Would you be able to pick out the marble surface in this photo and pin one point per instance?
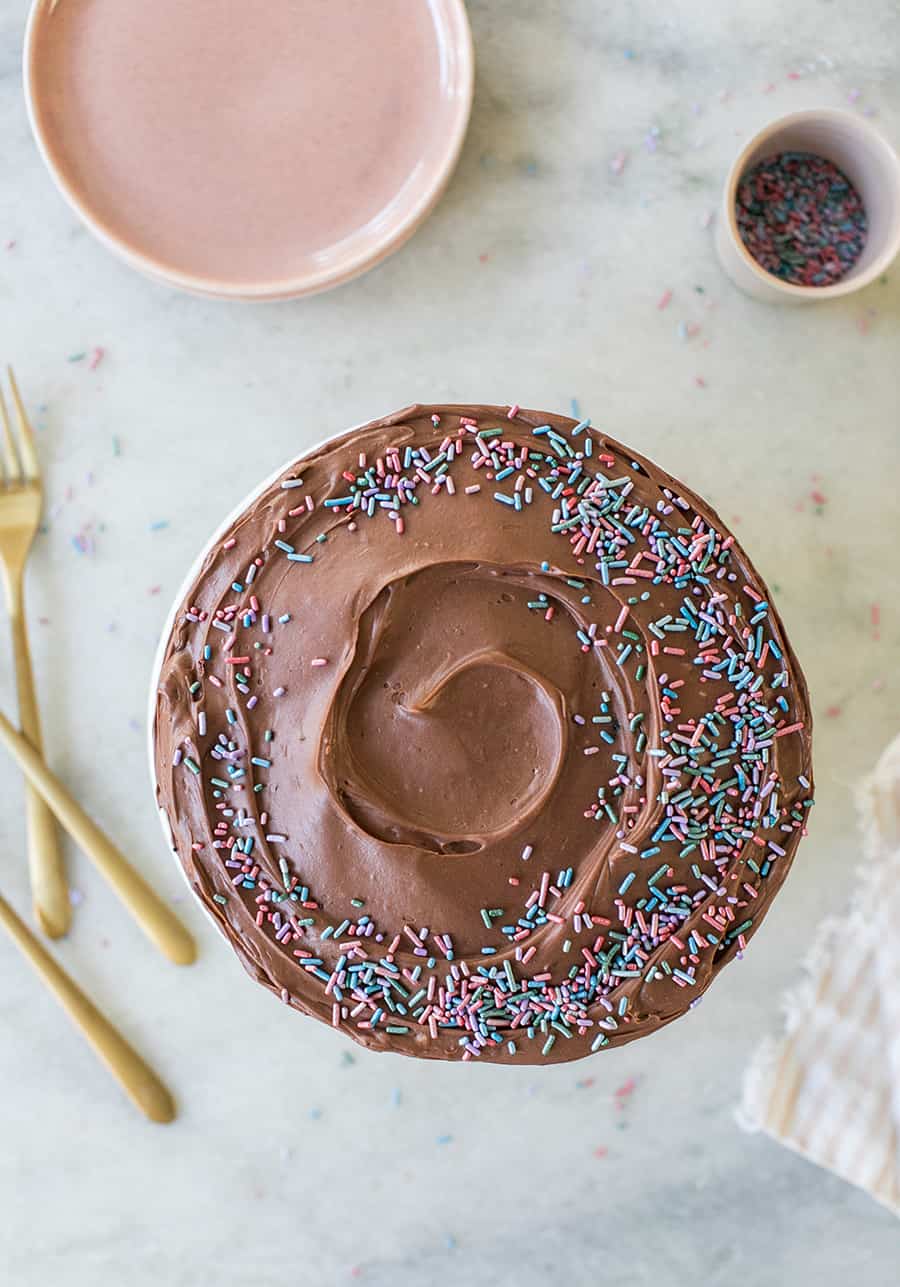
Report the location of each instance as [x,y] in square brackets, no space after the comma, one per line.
[537,279]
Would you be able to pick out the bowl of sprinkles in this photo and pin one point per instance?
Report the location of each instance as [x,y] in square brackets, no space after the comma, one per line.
[811,208]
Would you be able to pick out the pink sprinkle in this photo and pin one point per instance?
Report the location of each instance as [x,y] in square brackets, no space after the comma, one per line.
[617,164]
[319,661]
[699,381]
[513,411]
[665,300]
[96,358]
[230,543]
[791,728]
[470,491]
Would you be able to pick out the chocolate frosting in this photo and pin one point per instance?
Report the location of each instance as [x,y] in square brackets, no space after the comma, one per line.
[479,737]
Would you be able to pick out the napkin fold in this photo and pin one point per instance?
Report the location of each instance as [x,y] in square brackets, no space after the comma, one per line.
[829,1086]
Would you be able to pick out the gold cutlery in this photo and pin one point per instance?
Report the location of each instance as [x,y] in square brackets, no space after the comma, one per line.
[20,511]
[155,918]
[135,1077]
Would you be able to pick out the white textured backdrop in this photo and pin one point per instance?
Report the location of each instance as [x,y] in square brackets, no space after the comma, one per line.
[537,280]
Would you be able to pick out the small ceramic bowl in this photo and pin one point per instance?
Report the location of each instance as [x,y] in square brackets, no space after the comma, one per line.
[871,165]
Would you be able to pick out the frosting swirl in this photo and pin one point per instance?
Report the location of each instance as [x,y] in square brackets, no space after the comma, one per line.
[478,736]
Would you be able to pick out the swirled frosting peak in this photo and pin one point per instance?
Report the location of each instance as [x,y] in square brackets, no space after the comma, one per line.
[480,737]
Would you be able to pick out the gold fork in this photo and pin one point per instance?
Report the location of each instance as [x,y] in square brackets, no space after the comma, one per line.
[21,499]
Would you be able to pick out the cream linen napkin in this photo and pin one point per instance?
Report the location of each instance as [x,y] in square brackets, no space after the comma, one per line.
[829,1087]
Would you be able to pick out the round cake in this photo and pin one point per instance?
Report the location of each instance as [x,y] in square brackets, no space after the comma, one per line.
[479,736]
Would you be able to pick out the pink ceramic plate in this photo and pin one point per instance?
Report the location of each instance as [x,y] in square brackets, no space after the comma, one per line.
[260,151]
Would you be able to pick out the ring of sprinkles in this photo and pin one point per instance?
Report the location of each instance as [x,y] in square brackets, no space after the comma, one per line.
[479,737]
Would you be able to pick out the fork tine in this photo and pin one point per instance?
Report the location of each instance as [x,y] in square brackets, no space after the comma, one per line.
[10,458]
[27,447]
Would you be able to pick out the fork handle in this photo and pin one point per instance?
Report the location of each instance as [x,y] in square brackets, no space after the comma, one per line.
[49,890]
[155,918]
[136,1078]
